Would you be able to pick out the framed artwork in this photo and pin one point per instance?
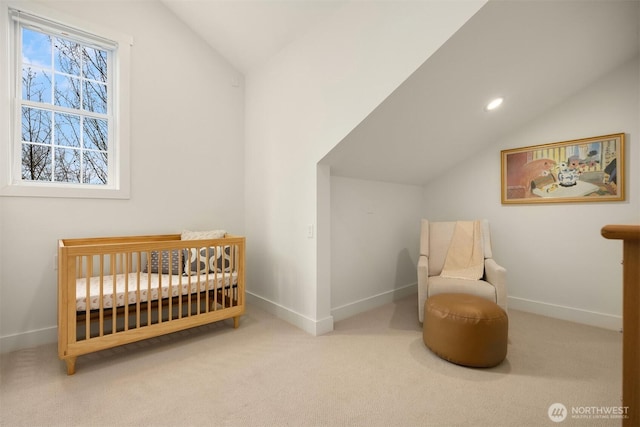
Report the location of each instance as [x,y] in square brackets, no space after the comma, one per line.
[583,170]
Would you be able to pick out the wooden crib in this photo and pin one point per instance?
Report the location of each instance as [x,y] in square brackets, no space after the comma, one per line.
[117,290]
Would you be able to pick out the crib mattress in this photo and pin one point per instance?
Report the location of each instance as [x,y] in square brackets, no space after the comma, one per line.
[153,286]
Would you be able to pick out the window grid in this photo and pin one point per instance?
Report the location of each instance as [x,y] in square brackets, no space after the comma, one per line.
[89,163]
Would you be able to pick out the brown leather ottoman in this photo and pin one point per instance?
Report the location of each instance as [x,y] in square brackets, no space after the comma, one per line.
[466,329]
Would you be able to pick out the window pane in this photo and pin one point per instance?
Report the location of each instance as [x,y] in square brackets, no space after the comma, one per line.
[36,48]
[67,91]
[95,64]
[67,165]
[67,55]
[96,134]
[36,125]
[95,97]
[67,129]
[36,85]
[36,162]
[95,164]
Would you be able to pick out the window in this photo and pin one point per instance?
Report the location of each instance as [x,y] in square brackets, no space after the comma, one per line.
[68,116]
[64,110]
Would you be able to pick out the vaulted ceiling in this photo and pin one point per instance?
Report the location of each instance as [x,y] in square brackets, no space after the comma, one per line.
[533,53]
[248,32]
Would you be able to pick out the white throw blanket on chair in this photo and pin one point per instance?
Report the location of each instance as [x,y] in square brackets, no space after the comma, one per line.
[465,258]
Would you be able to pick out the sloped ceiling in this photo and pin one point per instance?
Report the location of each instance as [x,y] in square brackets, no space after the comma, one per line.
[248,32]
[533,53]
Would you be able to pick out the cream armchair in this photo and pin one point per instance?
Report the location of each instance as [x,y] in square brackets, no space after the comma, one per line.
[435,238]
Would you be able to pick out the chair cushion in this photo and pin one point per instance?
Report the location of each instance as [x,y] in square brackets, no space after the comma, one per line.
[440,285]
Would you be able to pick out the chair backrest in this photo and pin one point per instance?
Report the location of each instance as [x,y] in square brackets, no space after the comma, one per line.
[435,238]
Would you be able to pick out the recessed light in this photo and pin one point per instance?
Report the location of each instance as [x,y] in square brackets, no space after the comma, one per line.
[494,104]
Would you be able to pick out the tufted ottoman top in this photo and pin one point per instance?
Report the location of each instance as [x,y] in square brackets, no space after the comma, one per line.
[465,306]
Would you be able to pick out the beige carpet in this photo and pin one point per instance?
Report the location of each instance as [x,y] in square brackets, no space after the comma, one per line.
[373,370]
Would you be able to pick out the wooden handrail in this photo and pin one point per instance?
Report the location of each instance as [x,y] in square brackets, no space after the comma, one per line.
[630,235]
[623,232]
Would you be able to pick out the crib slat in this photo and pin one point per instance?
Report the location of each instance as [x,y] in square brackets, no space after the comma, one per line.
[224,281]
[216,284]
[230,276]
[148,289]
[139,264]
[127,270]
[87,310]
[191,283]
[235,257]
[170,291]
[205,288]
[114,293]
[180,282]
[228,281]
[159,286]
[199,282]
[101,296]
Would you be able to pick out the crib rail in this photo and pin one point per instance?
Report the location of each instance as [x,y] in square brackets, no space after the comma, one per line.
[114,291]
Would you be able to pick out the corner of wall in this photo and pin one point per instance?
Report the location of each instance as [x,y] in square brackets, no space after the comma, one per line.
[314,327]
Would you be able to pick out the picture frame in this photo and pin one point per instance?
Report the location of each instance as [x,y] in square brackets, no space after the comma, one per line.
[581,170]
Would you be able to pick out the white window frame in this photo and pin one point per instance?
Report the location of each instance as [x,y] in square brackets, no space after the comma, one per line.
[11,182]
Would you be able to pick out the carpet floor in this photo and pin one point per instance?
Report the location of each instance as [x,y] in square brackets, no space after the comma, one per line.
[372,370]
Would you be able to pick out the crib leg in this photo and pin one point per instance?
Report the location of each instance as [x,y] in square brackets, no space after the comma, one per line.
[236,322]
[71,365]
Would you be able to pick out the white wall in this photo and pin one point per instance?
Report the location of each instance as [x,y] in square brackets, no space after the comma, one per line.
[375,233]
[558,263]
[187,164]
[298,107]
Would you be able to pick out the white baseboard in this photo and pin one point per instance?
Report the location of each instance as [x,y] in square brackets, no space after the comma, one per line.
[572,314]
[28,339]
[49,335]
[365,304]
[39,337]
[322,326]
[311,326]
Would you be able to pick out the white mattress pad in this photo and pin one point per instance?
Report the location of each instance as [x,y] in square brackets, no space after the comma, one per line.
[149,286]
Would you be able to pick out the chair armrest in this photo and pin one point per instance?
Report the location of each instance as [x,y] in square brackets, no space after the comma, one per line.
[497,276]
[423,269]
[423,278]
